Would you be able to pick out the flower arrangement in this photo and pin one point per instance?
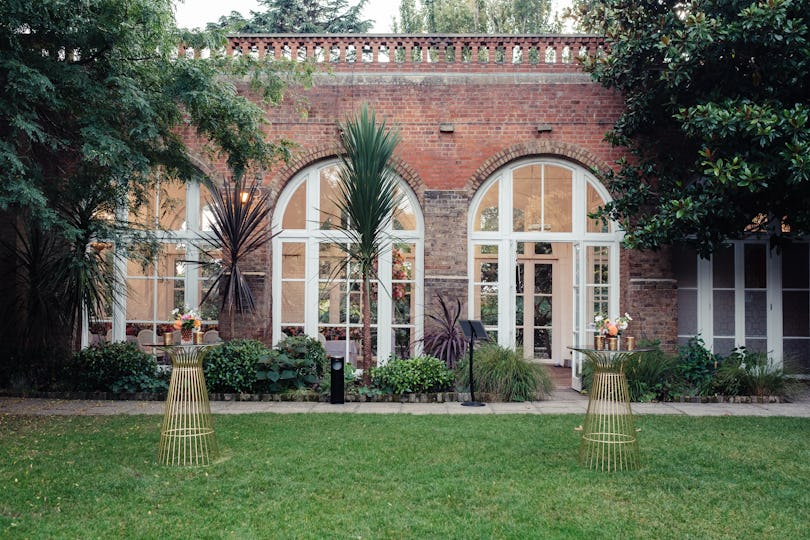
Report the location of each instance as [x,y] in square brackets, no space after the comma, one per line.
[186,319]
[610,327]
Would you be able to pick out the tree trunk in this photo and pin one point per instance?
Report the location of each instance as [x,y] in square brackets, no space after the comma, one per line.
[366,365]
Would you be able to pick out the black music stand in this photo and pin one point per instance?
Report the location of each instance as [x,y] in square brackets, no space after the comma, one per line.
[473,330]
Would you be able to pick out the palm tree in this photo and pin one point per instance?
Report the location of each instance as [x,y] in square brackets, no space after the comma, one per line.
[367,197]
[238,216]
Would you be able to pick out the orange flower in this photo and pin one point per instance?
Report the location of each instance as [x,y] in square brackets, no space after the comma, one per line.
[613,330]
[177,324]
[197,323]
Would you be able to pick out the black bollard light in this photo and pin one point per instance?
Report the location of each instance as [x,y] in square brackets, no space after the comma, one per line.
[336,368]
[473,330]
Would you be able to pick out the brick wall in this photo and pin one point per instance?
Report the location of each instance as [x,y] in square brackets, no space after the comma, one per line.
[458,126]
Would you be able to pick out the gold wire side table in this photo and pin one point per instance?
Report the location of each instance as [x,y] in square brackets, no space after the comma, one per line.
[609,440]
[187,434]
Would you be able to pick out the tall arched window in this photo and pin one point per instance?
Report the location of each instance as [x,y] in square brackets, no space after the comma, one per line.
[540,268]
[176,214]
[316,291]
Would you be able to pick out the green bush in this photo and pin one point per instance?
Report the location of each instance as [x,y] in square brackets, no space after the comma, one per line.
[505,372]
[651,376]
[748,374]
[297,362]
[421,374]
[696,366]
[232,366]
[114,367]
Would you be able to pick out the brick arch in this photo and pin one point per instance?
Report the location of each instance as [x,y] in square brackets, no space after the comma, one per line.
[324,152]
[205,167]
[557,149]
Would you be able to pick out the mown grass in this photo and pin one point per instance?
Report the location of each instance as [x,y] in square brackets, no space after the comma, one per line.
[402,476]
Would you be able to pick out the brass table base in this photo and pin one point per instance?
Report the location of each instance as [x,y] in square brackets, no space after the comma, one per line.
[609,440]
[187,434]
[609,435]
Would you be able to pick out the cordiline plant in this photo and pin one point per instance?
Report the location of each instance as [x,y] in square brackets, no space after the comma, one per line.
[237,230]
[443,339]
[367,196]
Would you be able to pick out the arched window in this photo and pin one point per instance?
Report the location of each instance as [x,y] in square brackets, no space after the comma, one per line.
[316,291]
[540,267]
[175,214]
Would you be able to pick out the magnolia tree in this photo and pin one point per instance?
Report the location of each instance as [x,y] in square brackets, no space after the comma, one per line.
[715,121]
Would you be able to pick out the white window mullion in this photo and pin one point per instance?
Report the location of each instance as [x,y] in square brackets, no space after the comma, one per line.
[613,280]
[119,307]
[192,296]
[276,291]
[384,305]
[774,301]
[311,286]
[705,300]
[419,291]
[739,294]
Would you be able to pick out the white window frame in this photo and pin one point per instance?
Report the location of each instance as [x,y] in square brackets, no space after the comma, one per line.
[579,237]
[187,236]
[312,236]
[705,299]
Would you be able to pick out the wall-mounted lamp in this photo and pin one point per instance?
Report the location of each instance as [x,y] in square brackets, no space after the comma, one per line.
[244,196]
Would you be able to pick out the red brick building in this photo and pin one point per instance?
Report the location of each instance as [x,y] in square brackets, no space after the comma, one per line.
[500,135]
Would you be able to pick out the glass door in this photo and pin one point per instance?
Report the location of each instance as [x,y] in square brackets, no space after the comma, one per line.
[534,299]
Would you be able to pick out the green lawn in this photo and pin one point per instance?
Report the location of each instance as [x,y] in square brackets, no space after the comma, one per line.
[402,476]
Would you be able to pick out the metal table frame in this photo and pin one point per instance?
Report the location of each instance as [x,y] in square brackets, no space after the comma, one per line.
[609,440]
[187,434]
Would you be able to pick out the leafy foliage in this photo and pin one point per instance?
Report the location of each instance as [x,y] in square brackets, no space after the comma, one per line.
[748,374]
[696,366]
[443,339]
[420,374]
[299,17]
[116,367]
[297,362]
[232,367]
[503,371]
[366,198]
[94,105]
[716,118]
[476,17]
[651,376]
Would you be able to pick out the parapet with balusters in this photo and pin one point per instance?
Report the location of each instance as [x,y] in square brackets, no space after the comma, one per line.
[420,52]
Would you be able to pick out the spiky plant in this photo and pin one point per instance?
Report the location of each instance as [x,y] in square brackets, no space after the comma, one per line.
[367,195]
[443,339]
[237,230]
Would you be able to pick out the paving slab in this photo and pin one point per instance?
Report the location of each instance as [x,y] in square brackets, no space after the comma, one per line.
[561,403]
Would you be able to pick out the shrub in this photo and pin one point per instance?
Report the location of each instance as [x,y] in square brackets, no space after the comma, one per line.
[696,366]
[505,372]
[651,375]
[232,367]
[443,340]
[421,374]
[114,367]
[747,374]
[295,363]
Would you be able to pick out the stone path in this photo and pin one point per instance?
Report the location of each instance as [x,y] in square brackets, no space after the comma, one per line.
[561,402]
